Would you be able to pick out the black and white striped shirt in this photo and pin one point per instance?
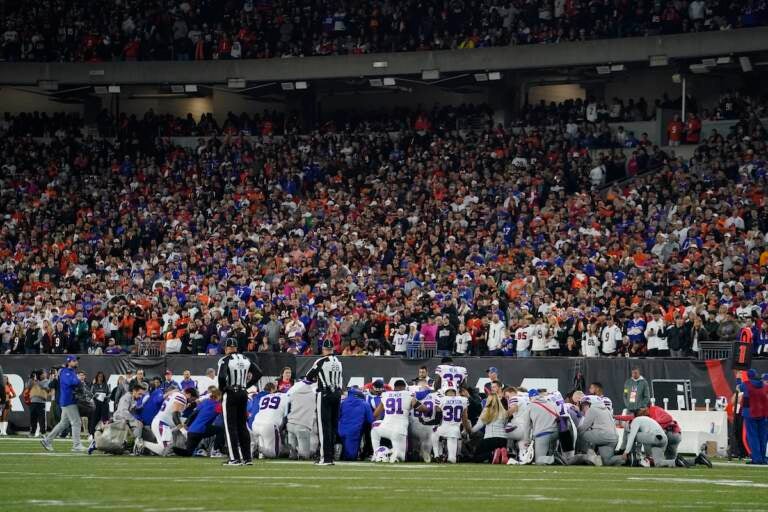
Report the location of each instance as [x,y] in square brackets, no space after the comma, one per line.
[328,372]
[236,370]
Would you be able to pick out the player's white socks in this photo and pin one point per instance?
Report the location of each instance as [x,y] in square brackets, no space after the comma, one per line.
[3,428]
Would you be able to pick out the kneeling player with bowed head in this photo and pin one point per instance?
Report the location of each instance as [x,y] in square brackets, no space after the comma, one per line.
[166,421]
[395,407]
[268,422]
[452,414]
[421,424]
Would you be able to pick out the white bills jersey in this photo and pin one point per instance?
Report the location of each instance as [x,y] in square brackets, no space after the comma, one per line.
[166,410]
[272,409]
[397,408]
[429,403]
[450,374]
[453,408]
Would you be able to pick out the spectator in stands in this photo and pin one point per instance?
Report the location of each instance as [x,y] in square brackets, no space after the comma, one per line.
[692,129]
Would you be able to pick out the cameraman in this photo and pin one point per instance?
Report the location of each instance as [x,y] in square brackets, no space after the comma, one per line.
[70,415]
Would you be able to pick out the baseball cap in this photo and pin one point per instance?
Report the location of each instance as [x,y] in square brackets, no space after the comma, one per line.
[327,344]
[492,369]
[231,342]
[72,358]
[378,384]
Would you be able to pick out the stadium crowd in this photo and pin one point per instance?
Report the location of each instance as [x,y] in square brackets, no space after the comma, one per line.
[491,241]
[53,30]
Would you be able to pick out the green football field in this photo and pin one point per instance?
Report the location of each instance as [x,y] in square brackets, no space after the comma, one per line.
[35,480]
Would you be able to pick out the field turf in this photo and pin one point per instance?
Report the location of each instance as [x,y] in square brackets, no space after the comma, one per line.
[36,480]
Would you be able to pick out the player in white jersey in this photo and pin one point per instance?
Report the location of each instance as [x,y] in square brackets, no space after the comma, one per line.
[452,410]
[518,430]
[450,373]
[395,407]
[302,407]
[420,425]
[265,431]
[166,420]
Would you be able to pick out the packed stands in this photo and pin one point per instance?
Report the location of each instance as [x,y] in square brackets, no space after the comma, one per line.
[282,242]
[52,30]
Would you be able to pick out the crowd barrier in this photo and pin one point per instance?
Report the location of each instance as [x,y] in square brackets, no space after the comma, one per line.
[708,379]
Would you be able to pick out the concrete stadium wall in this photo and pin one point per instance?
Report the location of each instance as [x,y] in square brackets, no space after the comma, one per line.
[636,49]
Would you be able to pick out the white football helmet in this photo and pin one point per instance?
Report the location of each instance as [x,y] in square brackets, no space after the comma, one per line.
[383,454]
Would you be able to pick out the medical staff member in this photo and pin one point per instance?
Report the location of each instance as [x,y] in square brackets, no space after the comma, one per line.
[354,415]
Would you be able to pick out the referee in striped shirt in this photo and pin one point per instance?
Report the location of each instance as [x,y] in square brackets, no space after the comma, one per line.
[328,373]
[236,374]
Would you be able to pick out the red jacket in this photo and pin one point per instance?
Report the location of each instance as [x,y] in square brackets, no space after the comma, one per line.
[663,418]
[758,400]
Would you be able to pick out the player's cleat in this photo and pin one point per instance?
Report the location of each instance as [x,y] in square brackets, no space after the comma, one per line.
[528,455]
[680,462]
[91,447]
[200,452]
[513,462]
[646,462]
[559,460]
[321,462]
[46,444]
[79,449]
[703,460]
[232,463]
[248,463]
[216,454]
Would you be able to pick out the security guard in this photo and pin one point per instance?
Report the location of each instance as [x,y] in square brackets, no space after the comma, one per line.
[328,372]
[236,374]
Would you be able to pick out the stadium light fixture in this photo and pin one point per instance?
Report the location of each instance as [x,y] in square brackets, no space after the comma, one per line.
[617,67]
[603,70]
[287,86]
[710,63]
[430,74]
[723,60]
[190,88]
[376,82]
[113,89]
[494,75]
[746,64]
[177,89]
[658,61]
[481,77]
[389,81]
[380,64]
[236,83]
[100,89]
[300,86]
